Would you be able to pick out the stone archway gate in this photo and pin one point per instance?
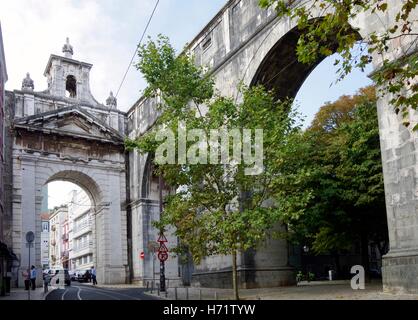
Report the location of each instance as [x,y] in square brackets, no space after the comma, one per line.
[76,139]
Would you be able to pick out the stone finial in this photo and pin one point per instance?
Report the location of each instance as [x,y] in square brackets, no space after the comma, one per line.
[67,49]
[111,102]
[27,83]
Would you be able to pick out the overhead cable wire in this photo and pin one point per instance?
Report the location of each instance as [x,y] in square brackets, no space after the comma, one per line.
[136,50]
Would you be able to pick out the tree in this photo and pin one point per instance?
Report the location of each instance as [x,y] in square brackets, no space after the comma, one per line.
[332,193]
[219,207]
[334,32]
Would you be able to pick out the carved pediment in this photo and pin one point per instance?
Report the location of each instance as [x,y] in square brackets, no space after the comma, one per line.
[71,121]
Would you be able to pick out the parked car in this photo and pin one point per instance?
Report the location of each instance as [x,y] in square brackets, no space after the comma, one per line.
[84,276]
[73,275]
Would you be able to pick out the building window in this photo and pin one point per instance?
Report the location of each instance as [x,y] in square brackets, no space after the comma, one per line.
[206,43]
[45,226]
[71,87]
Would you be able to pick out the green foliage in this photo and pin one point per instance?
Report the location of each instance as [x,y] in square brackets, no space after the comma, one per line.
[218,209]
[334,33]
[299,276]
[311,276]
[332,192]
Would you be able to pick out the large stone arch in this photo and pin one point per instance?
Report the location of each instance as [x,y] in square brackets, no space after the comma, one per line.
[243,39]
[83,180]
[104,186]
[80,149]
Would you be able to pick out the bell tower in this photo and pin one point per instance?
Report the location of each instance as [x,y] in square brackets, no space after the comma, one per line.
[69,78]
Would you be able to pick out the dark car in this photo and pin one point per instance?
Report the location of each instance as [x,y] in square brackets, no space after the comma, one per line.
[73,275]
[84,276]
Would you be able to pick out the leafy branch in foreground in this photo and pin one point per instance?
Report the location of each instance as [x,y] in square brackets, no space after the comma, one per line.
[333,32]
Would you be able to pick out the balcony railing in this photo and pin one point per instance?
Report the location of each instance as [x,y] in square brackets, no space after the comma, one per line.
[83,246]
[81,227]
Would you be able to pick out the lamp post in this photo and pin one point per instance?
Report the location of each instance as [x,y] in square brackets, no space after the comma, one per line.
[162,237]
[30,236]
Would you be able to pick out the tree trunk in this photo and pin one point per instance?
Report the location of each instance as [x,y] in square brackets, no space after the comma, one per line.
[235,275]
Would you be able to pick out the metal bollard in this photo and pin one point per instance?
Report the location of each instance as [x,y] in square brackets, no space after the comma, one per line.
[175,293]
[166,292]
[152,287]
[158,290]
[187,293]
[147,285]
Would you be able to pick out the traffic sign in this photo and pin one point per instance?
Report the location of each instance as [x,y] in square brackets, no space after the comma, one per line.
[163,248]
[142,255]
[163,256]
[30,236]
[162,238]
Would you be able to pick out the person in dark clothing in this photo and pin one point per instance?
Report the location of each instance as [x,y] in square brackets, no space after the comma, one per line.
[93,275]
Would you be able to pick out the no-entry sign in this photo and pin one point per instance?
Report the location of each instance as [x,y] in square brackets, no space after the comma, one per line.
[142,255]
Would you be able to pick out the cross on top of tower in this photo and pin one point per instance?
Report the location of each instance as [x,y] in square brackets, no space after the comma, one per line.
[68,49]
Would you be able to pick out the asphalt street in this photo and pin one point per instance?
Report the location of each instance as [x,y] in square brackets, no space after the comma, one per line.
[88,292]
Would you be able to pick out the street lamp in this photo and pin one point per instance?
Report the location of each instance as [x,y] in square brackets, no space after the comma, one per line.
[30,237]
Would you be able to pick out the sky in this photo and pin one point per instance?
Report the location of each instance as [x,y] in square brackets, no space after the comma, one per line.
[102,32]
[106,33]
[59,193]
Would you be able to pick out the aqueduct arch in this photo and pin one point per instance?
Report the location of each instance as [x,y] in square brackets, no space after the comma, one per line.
[233,45]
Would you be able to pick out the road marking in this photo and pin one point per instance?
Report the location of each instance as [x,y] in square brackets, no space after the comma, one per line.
[78,293]
[63,295]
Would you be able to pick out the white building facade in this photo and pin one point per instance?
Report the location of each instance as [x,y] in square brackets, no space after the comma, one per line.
[81,231]
[57,221]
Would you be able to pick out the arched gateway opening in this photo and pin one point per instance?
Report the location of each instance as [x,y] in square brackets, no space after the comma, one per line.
[80,231]
[68,227]
[280,70]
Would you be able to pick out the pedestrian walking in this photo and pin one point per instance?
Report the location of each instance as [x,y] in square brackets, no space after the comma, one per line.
[33,277]
[26,278]
[47,280]
[93,275]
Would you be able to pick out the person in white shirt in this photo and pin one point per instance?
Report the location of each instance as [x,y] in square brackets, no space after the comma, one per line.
[33,277]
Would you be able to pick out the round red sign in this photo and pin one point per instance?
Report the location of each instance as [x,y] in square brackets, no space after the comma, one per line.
[142,255]
[163,256]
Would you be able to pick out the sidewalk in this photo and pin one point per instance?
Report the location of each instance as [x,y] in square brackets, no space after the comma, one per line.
[22,294]
[333,291]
